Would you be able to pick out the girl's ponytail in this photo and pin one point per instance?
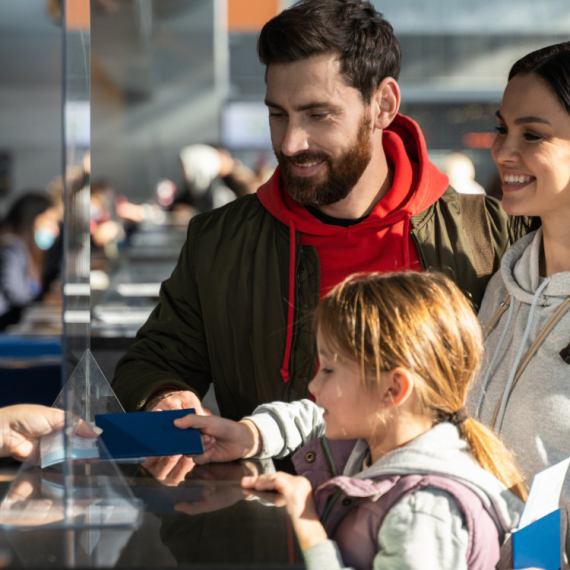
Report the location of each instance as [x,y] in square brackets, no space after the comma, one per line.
[490,453]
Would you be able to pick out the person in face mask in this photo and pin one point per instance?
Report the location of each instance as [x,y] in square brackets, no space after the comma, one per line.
[28,231]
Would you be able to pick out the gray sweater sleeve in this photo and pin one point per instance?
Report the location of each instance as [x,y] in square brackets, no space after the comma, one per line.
[424,530]
[286,427]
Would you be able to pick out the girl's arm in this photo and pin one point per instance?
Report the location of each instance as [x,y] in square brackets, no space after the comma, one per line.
[424,530]
[298,498]
[287,426]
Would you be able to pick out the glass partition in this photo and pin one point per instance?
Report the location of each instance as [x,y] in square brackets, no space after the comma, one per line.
[75,482]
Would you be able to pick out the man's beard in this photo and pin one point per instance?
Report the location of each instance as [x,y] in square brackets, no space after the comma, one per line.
[343,172]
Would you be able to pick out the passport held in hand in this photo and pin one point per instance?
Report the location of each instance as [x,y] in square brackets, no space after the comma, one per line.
[146,434]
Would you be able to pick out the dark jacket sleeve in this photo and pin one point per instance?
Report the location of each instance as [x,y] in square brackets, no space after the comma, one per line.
[170,349]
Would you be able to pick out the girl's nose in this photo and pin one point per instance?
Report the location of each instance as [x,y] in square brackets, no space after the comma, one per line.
[313,385]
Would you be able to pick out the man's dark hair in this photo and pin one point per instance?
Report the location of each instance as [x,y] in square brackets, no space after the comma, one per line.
[364,42]
[552,64]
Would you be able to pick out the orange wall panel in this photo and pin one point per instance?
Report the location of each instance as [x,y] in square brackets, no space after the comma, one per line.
[77,15]
[250,15]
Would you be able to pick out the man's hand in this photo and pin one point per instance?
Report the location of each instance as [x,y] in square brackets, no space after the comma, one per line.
[176,400]
[21,427]
[224,440]
[170,470]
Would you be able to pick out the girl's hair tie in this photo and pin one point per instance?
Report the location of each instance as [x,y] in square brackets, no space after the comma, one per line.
[457,418]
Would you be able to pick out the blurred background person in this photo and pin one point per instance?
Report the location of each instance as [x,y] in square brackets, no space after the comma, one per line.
[213,178]
[27,233]
[106,232]
[461,171]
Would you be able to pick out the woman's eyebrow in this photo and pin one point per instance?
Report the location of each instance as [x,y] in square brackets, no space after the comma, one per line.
[524,120]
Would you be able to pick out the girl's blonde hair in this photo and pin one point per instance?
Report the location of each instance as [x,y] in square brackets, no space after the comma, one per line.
[421,322]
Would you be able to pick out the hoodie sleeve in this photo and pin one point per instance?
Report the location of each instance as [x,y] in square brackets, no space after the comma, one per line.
[286,427]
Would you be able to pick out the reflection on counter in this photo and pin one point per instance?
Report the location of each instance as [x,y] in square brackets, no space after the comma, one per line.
[204,517]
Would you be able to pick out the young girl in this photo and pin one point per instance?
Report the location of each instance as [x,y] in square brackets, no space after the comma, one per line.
[424,485]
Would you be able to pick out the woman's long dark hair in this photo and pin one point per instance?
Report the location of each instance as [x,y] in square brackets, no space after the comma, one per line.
[21,216]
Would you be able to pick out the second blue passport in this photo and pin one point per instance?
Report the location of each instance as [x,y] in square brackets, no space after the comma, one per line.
[147,434]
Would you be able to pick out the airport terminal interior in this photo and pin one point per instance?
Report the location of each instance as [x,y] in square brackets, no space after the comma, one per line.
[132,117]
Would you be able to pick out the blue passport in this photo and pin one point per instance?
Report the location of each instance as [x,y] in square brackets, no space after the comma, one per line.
[147,434]
[538,544]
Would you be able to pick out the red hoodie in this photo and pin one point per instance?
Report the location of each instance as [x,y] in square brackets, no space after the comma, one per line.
[381,242]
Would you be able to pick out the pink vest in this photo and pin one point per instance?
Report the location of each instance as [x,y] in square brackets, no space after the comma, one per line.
[352,510]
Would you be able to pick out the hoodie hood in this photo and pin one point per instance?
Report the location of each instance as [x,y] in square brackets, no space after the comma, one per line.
[534,307]
[441,451]
[406,152]
[520,272]
[362,247]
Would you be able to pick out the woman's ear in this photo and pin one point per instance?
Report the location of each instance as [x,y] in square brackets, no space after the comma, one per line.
[398,385]
[385,103]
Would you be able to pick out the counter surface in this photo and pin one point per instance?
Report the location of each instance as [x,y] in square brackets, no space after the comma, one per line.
[200,518]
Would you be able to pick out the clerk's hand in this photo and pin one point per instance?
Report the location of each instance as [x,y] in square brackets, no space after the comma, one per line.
[21,427]
[176,400]
[224,440]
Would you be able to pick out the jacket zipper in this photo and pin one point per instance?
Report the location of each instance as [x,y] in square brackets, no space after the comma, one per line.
[332,470]
[420,253]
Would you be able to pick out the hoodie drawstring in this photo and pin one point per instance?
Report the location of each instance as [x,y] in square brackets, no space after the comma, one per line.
[291,310]
[494,359]
[507,391]
[526,334]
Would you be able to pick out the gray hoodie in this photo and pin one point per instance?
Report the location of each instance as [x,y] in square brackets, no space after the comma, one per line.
[424,530]
[535,420]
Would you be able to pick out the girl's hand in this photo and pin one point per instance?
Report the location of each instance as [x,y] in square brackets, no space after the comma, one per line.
[298,496]
[297,491]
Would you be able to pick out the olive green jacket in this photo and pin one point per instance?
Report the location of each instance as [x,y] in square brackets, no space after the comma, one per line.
[222,315]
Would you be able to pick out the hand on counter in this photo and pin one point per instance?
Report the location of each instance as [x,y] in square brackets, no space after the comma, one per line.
[224,440]
[176,400]
[297,495]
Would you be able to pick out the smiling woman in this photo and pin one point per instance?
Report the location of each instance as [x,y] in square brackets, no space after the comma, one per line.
[532,149]
[526,309]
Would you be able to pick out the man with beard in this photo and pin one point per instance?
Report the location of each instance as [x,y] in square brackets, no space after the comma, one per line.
[354,192]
